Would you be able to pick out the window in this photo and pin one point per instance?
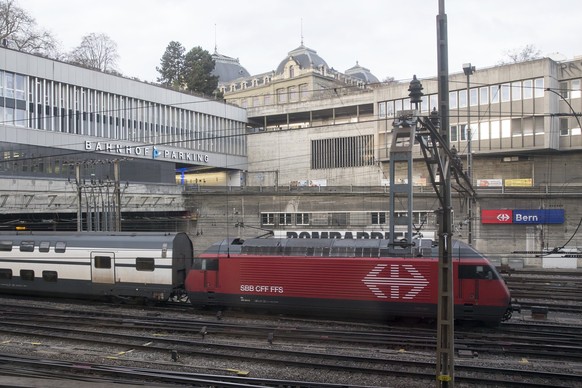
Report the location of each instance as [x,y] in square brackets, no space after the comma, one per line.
[516,127]
[144,264]
[293,95]
[463,132]
[50,276]
[285,219]
[302,218]
[433,101]
[564,89]
[60,247]
[27,274]
[453,100]
[382,109]
[454,133]
[44,246]
[205,264]
[575,88]
[103,262]
[505,92]
[462,98]
[281,96]
[27,246]
[5,246]
[476,272]
[5,274]
[353,151]
[378,218]
[564,130]
[473,97]
[539,87]
[268,219]
[484,130]
[527,89]
[494,93]
[516,91]
[303,92]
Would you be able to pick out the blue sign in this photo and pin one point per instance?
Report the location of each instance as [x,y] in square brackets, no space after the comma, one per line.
[540,216]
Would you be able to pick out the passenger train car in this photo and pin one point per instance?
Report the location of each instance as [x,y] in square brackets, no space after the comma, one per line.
[346,278]
[151,266]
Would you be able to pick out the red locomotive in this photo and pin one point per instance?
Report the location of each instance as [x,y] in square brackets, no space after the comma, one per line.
[347,278]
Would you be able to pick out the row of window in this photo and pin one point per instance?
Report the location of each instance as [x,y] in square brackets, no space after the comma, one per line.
[337,219]
[60,107]
[484,95]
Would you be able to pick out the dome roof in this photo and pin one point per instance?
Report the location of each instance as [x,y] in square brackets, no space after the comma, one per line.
[362,73]
[304,56]
[227,68]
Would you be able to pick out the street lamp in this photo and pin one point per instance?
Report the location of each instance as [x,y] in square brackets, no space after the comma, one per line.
[468,70]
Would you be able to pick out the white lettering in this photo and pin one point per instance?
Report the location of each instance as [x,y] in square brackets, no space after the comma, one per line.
[523,217]
[261,289]
[87,145]
[98,147]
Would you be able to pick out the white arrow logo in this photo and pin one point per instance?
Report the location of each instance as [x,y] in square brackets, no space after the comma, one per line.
[372,280]
[503,217]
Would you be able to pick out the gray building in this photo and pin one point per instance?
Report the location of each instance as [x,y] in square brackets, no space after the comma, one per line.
[71,136]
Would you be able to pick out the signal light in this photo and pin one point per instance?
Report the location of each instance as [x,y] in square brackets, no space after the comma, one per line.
[20,228]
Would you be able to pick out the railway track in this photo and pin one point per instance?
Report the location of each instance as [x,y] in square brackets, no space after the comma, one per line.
[369,353]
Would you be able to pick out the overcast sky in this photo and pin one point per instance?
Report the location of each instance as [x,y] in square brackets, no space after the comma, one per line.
[392,38]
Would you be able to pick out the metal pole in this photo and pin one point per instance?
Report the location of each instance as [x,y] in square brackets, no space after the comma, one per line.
[445,317]
[469,69]
[117,197]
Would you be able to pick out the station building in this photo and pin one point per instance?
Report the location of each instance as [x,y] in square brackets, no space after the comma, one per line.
[71,136]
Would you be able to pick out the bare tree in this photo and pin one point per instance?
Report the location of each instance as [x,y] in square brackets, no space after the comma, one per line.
[523,54]
[97,51]
[19,30]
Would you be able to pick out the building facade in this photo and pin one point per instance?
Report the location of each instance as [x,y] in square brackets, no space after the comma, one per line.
[90,133]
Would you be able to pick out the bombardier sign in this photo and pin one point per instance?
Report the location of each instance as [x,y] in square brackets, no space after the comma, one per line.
[522,216]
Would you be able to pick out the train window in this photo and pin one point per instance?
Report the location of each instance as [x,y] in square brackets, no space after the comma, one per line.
[206,264]
[5,274]
[27,246]
[27,274]
[50,276]
[5,246]
[144,264]
[476,272]
[60,247]
[44,246]
[102,262]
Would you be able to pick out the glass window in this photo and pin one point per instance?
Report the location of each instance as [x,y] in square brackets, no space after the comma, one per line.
[462,99]
[382,109]
[5,273]
[527,89]
[494,93]
[454,133]
[44,246]
[528,126]
[268,219]
[564,129]
[50,276]
[575,88]
[538,124]
[453,100]
[516,91]
[5,246]
[293,95]
[516,127]
[463,132]
[144,264]
[60,247]
[434,102]
[389,108]
[103,262]
[505,92]
[285,219]
[19,82]
[281,96]
[378,218]
[27,274]
[397,106]
[506,128]
[539,87]
[473,97]
[495,129]
[27,246]
[302,218]
[564,89]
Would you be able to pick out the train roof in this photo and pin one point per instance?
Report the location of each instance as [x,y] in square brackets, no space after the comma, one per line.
[336,247]
[96,239]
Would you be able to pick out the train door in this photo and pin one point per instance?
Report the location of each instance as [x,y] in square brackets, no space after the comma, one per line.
[103,267]
[468,287]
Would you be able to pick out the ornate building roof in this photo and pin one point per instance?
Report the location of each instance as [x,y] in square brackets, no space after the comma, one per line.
[362,73]
[227,68]
[305,57]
